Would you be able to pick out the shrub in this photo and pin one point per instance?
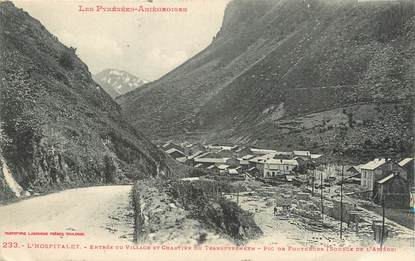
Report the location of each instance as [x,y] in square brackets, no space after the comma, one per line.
[109,170]
[66,60]
[194,172]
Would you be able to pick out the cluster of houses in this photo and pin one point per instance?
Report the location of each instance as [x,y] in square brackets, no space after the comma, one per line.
[235,160]
[386,180]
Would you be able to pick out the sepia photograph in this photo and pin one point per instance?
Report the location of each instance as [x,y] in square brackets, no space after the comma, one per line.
[243,130]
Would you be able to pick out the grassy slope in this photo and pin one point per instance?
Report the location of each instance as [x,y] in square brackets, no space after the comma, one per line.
[275,54]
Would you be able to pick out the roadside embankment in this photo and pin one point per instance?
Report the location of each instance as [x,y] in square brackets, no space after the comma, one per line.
[189,212]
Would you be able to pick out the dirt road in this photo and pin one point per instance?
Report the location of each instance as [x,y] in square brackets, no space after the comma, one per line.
[94,216]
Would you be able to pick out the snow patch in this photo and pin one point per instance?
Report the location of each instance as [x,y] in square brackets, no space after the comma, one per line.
[115,72]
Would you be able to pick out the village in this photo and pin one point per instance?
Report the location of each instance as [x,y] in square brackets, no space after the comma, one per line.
[369,203]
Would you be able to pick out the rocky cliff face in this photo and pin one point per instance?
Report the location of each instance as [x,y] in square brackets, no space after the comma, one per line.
[58,127]
[117,82]
[278,72]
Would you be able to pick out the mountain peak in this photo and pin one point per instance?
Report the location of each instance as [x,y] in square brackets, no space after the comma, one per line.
[118,82]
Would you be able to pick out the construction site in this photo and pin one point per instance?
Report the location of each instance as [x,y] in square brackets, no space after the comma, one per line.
[291,215]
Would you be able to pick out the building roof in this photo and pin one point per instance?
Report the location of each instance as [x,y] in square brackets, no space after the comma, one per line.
[172,150]
[190,179]
[262,151]
[241,149]
[374,164]
[167,143]
[356,176]
[185,143]
[223,167]
[221,147]
[259,159]
[282,153]
[181,159]
[386,179]
[214,147]
[247,157]
[282,162]
[194,155]
[299,158]
[210,160]
[301,153]
[198,145]
[170,142]
[203,155]
[223,150]
[403,162]
[315,156]
[210,155]
[263,158]
[358,168]
[233,171]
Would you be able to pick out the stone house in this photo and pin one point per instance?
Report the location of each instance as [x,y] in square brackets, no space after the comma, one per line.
[377,169]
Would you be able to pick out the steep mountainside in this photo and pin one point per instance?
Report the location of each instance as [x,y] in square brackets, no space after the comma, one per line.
[116,82]
[58,127]
[314,74]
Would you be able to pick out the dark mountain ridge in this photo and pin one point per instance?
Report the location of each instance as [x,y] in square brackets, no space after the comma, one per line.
[58,127]
[279,71]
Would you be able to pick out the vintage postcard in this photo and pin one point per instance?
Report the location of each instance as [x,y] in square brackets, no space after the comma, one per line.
[207,130]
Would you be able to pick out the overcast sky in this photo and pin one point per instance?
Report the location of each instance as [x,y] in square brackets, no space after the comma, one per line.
[145,44]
